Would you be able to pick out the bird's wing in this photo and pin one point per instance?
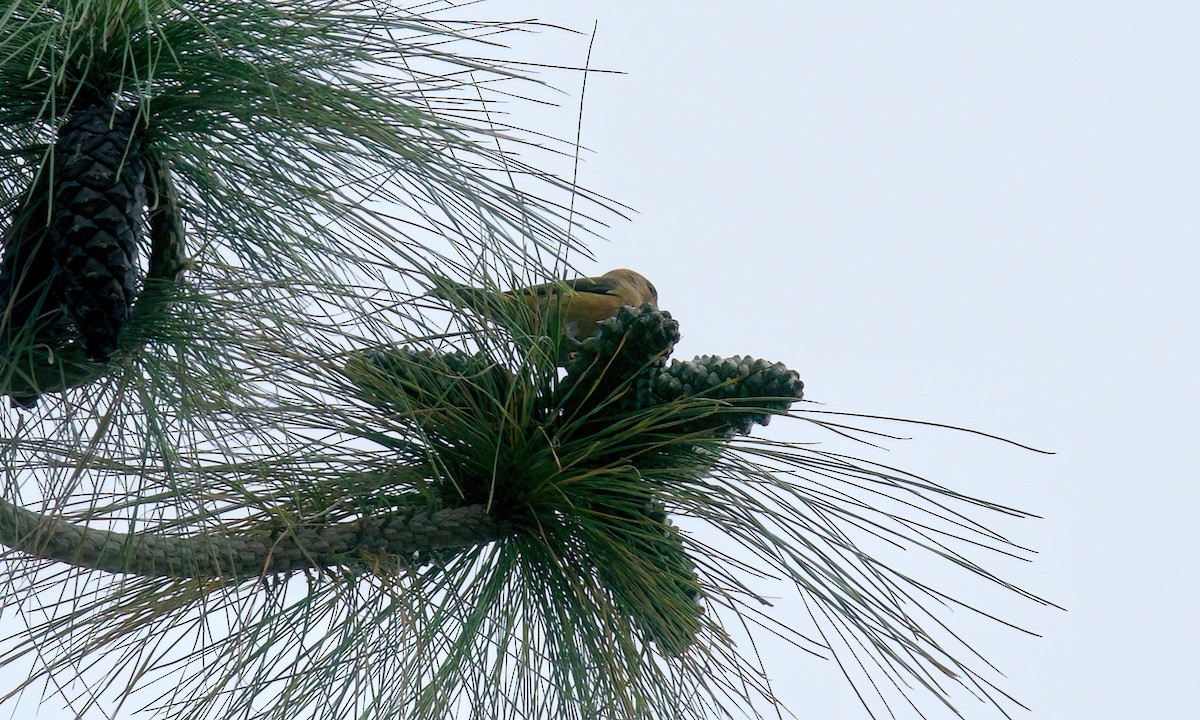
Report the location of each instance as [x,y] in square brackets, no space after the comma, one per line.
[596,285]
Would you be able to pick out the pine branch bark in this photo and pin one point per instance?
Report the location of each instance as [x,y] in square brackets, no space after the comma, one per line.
[264,549]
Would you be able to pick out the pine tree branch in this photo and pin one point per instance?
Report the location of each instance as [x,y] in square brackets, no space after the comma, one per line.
[266,548]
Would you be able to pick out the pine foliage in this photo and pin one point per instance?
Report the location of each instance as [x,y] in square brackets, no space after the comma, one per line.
[270,478]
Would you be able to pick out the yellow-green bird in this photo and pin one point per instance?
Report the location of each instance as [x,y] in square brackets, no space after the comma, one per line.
[573,307]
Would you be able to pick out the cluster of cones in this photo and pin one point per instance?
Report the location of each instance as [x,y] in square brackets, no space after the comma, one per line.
[619,379]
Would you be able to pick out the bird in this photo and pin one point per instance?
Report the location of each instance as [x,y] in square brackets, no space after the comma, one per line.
[567,308]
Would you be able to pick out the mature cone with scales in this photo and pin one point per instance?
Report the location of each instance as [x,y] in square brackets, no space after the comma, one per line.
[69,269]
[27,270]
[25,276]
[99,194]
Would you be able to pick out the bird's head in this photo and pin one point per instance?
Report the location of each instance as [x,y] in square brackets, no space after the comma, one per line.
[636,290]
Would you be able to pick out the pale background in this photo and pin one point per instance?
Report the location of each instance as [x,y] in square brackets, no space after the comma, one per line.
[977,213]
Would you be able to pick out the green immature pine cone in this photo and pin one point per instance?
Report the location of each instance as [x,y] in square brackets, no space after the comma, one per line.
[425,384]
[621,359]
[662,598]
[762,387]
[99,195]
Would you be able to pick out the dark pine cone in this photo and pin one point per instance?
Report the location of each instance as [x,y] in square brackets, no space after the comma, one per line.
[27,270]
[98,199]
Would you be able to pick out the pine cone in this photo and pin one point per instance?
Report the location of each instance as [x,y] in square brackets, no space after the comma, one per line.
[629,347]
[425,383]
[30,311]
[28,268]
[662,596]
[168,253]
[769,387]
[99,195]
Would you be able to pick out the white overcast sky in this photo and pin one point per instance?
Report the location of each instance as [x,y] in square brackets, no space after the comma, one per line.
[984,214]
[979,213]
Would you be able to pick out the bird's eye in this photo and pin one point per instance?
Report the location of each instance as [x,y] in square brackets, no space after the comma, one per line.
[652,290]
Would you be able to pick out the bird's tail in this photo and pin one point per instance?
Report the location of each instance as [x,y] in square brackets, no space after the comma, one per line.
[524,313]
[489,303]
